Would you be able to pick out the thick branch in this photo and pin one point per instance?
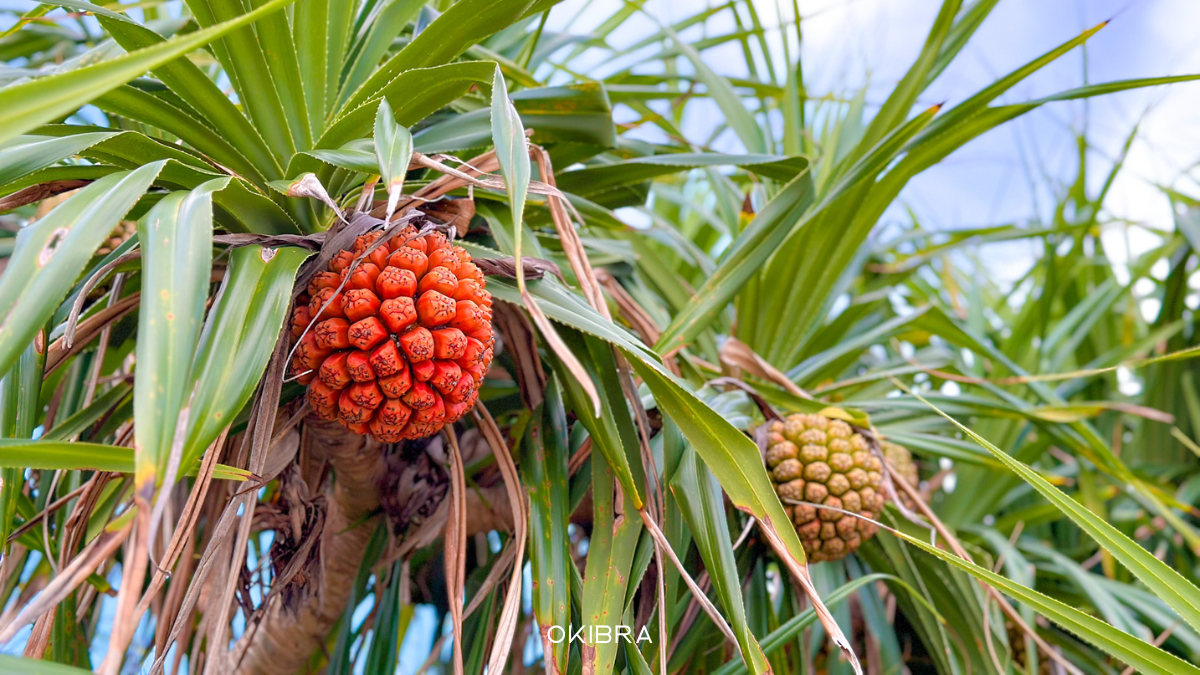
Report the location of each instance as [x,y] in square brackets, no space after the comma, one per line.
[284,637]
[286,634]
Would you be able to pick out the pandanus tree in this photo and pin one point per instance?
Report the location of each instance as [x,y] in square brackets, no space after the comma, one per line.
[273,347]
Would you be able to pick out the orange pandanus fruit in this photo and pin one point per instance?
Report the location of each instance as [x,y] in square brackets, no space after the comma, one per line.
[394,344]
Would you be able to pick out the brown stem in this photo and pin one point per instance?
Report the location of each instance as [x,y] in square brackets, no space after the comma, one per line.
[282,637]
[287,633]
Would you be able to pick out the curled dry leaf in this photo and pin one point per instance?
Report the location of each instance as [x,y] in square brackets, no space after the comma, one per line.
[308,185]
[456,213]
[455,555]
[39,192]
[520,342]
[533,268]
[507,625]
[738,355]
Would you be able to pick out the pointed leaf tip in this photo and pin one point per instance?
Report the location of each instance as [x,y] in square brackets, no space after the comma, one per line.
[393,151]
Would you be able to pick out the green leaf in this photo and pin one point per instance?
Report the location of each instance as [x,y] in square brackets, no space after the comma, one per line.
[356,156]
[568,308]
[1162,580]
[615,531]
[699,497]
[244,61]
[960,34]
[901,100]
[238,339]
[51,253]
[311,23]
[176,241]
[131,102]
[786,633]
[512,153]
[20,410]
[23,453]
[733,109]
[413,95]
[544,474]
[278,49]
[385,21]
[462,25]
[744,259]
[26,154]
[19,666]
[612,431]
[382,656]
[599,181]
[1129,649]
[1113,87]
[393,150]
[80,421]
[729,454]
[44,99]
[508,135]
[578,115]
[199,91]
[980,100]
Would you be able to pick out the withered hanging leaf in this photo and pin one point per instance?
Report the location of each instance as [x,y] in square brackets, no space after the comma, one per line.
[453,212]
[36,193]
[534,268]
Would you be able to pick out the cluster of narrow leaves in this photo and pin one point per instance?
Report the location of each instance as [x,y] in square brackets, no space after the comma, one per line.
[167,444]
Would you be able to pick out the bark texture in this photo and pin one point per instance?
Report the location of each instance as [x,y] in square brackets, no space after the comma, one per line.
[287,634]
[294,625]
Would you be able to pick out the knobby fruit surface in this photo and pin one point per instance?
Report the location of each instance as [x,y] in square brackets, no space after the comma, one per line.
[394,343]
[903,465]
[817,461]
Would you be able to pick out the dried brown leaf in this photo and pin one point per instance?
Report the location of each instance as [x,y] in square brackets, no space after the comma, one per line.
[533,268]
[456,213]
[737,354]
[67,580]
[36,193]
[507,624]
[455,553]
[88,329]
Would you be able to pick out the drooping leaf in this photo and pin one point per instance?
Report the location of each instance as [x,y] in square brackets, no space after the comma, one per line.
[698,494]
[176,241]
[729,453]
[238,339]
[51,253]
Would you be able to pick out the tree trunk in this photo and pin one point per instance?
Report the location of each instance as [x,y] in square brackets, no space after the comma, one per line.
[284,636]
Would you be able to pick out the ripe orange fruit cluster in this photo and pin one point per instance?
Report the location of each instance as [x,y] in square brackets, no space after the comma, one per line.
[399,349]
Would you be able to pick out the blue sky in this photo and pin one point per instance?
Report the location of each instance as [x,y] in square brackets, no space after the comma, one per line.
[851,42]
